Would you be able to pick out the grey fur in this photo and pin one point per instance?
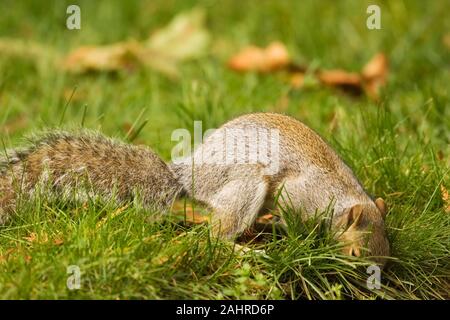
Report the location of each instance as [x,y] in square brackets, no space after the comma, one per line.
[85,164]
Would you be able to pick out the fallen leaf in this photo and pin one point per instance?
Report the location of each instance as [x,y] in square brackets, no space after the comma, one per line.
[348,81]
[182,39]
[376,68]
[339,77]
[274,57]
[445,198]
[267,218]
[375,74]
[106,58]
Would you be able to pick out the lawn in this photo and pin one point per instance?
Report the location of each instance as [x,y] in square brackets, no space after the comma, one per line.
[397,145]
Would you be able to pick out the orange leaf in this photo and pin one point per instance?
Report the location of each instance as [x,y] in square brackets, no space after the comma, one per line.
[267,218]
[375,73]
[102,58]
[339,77]
[347,81]
[252,58]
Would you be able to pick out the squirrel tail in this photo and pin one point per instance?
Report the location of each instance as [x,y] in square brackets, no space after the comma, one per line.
[83,164]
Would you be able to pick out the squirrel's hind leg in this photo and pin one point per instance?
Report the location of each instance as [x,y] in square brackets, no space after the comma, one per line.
[236,205]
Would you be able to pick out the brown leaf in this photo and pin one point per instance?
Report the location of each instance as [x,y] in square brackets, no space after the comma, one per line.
[267,218]
[348,81]
[376,68]
[103,58]
[182,39]
[445,198]
[185,37]
[339,77]
[375,74]
[252,58]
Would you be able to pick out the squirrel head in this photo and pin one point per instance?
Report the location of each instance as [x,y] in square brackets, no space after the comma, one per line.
[363,231]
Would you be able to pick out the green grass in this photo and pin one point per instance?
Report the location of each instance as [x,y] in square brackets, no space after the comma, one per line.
[398,147]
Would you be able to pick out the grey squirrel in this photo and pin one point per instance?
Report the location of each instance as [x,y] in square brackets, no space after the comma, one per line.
[292,161]
[228,172]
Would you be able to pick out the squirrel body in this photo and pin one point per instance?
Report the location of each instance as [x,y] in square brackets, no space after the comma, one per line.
[294,162]
[237,171]
[85,164]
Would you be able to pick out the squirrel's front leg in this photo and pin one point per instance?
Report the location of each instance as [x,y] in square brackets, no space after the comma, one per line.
[236,205]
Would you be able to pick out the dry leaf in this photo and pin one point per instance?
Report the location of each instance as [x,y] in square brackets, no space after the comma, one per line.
[348,81]
[267,218]
[184,38]
[273,57]
[106,58]
[445,198]
[376,68]
[375,74]
[339,77]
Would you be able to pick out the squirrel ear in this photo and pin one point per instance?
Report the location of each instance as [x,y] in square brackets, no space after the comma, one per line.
[355,214]
[381,205]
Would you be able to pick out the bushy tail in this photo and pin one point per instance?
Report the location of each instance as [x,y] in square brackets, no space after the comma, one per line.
[7,190]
